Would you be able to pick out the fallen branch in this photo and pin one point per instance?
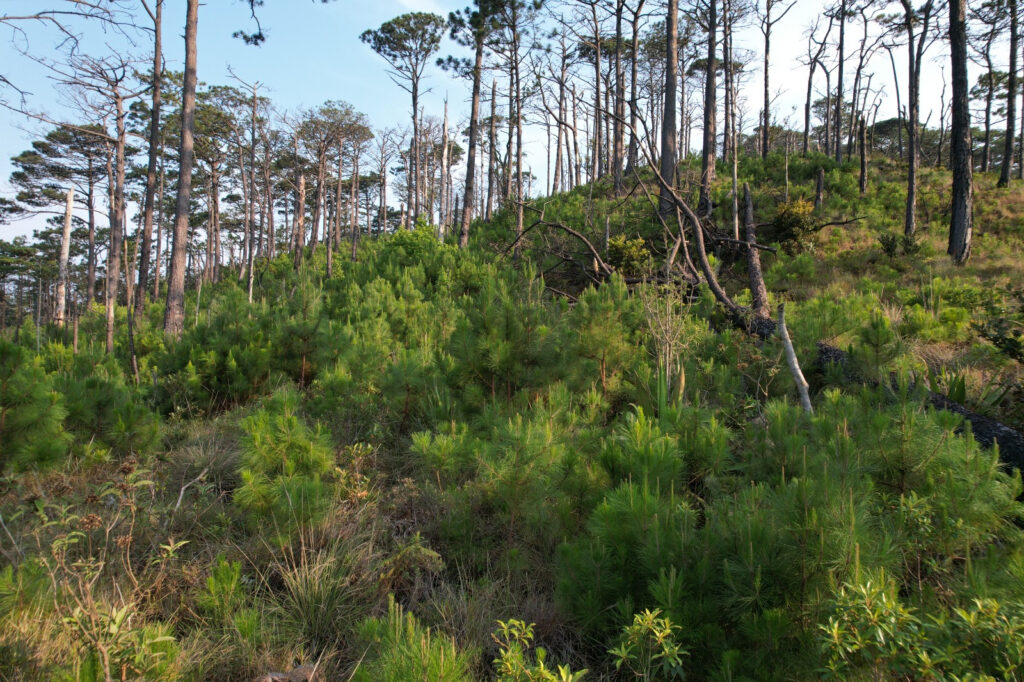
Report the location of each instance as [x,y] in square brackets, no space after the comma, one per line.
[986,431]
[751,245]
[599,262]
[794,365]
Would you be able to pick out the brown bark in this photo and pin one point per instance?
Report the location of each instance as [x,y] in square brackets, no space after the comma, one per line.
[668,126]
[960,224]
[474,133]
[707,163]
[1011,100]
[154,152]
[62,267]
[758,292]
[174,315]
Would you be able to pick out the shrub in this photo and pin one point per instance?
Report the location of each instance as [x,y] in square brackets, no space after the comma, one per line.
[515,663]
[284,463]
[629,256]
[648,648]
[890,244]
[31,413]
[400,649]
[793,225]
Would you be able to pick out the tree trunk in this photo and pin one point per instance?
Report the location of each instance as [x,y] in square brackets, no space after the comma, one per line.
[960,224]
[159,229]
[899,105]
[863,158]
[299,222]
[766,121]
[117,222]
[707,164]
[839,83]
[668,123]
[210,239]
[154,152]
[251,250]
[414,200]
[490,155]
[618,139]
[215,217]
[474,132]
[519,148]
[443,178]
[354,204]
[758,292]
[174,315]
[915,55]
[598,156]
[91,265]
[633,95]
[1011,100]
[62,267]
[807,106]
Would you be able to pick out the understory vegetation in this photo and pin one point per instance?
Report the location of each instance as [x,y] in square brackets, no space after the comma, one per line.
[446,464]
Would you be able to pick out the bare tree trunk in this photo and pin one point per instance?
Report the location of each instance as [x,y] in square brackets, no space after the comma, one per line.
[298,222]
[899,105]
[794,365]
[915,54]
[828,111]
[91,265]
[251,239]
[154,151]
[667,166]
[839,82]
[807,107]
[986,154]
[767,120]
[215,217]
[633,95]
[758,292]
[578,160]
[730,114]
[117,222]
[354,204]
[556,181]
[960,224]
[618,138]
[443,177]
[707,164]
[414,205]
[1011,100]
[174,315]
[210,238]
[62,266]
[598,156]
[519,148]
[490,155]
[159,229]
[474,133]
[863,158]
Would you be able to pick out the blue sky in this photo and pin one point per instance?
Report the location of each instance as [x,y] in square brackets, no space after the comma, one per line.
[313,53]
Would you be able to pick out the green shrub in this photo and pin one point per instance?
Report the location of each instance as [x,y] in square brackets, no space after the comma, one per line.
[284,464]
[400,649]
[648,648]
[872,631]
[31,413]
[515,662]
